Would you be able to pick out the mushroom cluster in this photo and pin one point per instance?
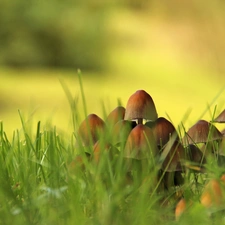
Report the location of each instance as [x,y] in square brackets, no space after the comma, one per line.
[140,140]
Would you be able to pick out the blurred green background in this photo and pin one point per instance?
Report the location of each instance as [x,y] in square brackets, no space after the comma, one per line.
[174,50]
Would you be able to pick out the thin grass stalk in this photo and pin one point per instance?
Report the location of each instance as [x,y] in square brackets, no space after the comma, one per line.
[72,102]
[213,100]
[82,92]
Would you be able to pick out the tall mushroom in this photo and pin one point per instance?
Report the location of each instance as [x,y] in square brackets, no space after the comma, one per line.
[102,149]
[139,152]
[206,133]
[120,132]
[140,106]
[172,159]
[172,156]
[140,143]
[163,130]
[115,115]
[78,163]
[202,132]
[90,130]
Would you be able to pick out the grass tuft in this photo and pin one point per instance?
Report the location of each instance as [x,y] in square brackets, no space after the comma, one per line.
[47,177]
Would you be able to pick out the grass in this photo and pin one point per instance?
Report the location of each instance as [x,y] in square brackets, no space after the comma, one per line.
[39,185]
[38,134]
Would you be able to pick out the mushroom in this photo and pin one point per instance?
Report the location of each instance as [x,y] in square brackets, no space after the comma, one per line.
[220,118]
[139,153]
[181,207]
[140,106]
[121,131]
[163,130]
[90,130]
[223,132]
[172,168]
[222,147]
[172,156]
[101,149]
[114,116]
[78,163]
[140,143]
[221,152]
[213,193]
[202,132]
[196,158]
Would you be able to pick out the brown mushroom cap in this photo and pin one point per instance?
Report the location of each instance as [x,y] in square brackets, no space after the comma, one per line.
[140,106]
[202,132]
[100,148]
[90,130]
[140,143]
[223,132]
[116,115]
[222,147]
[78,163]
[195,154]
[163,131]
[213,193]
[121,131]
[220,118]
[172,155]
[180,208]
[196,158]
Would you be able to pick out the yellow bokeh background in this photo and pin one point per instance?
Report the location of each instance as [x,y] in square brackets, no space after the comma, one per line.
[177,59]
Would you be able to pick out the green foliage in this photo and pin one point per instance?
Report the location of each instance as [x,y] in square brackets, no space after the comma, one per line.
[39,185]
[44,181]
[32,177]
[52,33]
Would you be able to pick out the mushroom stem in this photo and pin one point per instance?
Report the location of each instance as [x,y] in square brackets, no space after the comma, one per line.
[140,121]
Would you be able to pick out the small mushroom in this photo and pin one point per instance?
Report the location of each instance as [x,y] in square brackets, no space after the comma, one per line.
[202,132]
[121,131]
[220,118]
[220,153]
[140,106]
[114,116]
[173,154]
[195,154]
[182,206]
[196,157]
[222,147]
[140,143]
[90,130]
[213,194]
[78,163]
[101,149]
[172,168]
[163,130]
[223,132]
[139,154]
